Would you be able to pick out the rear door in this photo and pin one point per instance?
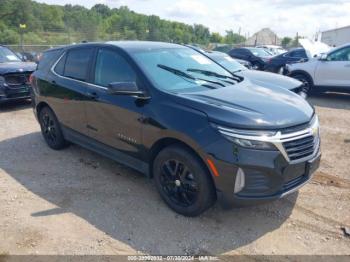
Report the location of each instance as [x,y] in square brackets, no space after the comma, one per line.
[66,89]
[335,71]
[114,120]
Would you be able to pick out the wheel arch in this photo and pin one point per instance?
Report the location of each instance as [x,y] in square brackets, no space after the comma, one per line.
[302,72]
[40,106]
[169,141]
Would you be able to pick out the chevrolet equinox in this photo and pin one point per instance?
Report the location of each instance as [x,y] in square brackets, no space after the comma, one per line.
[201,132]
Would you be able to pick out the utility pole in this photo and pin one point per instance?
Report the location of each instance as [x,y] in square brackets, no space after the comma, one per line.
[21,31]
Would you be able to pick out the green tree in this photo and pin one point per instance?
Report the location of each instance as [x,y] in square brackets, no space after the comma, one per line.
[286,41]
[233,38]
[216,38]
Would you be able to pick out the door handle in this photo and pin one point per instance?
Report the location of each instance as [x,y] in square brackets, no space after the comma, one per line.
[92,95]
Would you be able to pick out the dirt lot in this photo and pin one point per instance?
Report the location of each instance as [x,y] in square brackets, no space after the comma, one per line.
[77,202]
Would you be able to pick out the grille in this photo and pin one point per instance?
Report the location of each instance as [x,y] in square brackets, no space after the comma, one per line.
[301,147]
[17,80]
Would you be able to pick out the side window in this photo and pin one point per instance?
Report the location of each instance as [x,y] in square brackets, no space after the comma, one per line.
[77,63]
[112,67]
[340,55]
[296,54]
[299,54]
[291,54]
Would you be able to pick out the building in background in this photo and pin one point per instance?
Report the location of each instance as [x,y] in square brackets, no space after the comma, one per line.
[336,37]
[264,37]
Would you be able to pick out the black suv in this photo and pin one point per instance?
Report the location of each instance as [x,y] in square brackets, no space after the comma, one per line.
[168,111]
[14,76]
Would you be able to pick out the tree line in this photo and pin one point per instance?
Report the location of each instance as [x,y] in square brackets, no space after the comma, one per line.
[54,24]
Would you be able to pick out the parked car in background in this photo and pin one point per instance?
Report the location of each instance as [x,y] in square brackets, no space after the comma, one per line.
[203,51]
[273,49]
[179,117]
[30,56]
[256,56]
[261,78]
[245,63]
[14,76]
[330,71]
[277,64]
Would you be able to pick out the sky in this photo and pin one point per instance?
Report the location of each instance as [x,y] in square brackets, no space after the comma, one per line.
[285,17]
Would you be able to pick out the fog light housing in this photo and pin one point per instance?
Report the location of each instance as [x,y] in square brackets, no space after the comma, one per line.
[240,181]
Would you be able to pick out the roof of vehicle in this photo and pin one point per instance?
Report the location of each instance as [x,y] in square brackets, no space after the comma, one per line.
[270,46]
[296,48]
[339,47]
[126,45]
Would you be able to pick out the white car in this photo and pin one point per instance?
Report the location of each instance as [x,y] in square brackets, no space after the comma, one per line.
[330,71]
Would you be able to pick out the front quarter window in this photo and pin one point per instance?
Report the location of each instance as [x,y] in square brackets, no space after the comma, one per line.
[112,67]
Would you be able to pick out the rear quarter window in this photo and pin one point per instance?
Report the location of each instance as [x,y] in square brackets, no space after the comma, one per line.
[48,58]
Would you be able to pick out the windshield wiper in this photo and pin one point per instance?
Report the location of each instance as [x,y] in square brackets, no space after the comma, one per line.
[211,73]
[184,74]
[176,71]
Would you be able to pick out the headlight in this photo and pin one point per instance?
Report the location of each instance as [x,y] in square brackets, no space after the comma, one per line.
[252,143]
[248,138]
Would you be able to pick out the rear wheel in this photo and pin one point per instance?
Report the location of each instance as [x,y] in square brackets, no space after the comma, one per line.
[51,130]
[182,181]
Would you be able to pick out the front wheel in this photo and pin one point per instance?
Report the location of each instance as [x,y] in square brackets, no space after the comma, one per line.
[51,130]
[183,181]
[308,85]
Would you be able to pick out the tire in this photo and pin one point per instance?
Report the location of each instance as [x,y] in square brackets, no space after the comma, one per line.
[308,88]
[51,130]
[183,181]
[280,70]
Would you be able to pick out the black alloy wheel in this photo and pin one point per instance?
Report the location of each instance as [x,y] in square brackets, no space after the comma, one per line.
[183,181]
[51,130]
[179,183]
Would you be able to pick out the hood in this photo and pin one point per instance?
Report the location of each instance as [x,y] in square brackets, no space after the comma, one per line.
[270,80]
[314,48]
[249,106]
[16,67]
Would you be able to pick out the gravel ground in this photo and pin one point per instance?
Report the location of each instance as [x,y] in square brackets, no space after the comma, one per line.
[77,202]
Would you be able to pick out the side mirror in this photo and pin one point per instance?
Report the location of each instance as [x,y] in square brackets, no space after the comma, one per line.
[323,57]
[126,88]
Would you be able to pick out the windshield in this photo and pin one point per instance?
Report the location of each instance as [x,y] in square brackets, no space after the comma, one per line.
[181,69]
[229,63]
[6,55]
[259,52]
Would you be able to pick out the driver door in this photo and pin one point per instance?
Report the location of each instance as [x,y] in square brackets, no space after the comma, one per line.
[335,70]
[113,120]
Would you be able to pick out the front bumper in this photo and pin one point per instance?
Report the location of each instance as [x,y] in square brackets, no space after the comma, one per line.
[18,93]
[268,174]
[284,188]
[267,177]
